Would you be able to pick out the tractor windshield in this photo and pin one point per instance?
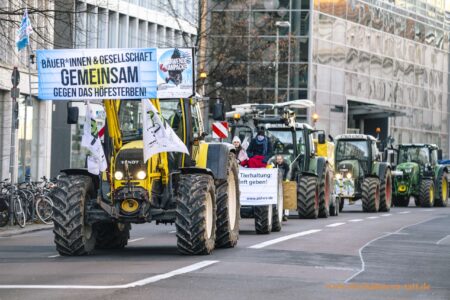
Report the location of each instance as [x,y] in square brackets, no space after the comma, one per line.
[130,118]
[282,143]
[420,155]
[352,149]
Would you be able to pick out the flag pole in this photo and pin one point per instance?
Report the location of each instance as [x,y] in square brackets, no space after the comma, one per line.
[25,123]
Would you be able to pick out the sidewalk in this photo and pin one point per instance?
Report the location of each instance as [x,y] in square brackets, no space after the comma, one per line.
[8,230]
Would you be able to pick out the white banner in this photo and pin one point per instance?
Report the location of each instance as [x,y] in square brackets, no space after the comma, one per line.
[158,136]
[80,74]
[96,162]
[258,186]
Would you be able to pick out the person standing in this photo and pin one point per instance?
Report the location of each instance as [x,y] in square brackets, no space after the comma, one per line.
[241,154]
[281,164]
[259,150]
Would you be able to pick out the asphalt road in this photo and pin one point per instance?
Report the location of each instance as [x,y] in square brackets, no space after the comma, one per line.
[403,254]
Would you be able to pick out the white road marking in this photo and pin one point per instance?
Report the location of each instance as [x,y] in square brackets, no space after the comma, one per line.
[142,282]
[356,220]
[135,240]
[336,268]
[404,212]
[363,264]
[53,256]
[372,218]
[386,215]
[173,231]
[438,242]
[284,238]
[335,224]
[428,210]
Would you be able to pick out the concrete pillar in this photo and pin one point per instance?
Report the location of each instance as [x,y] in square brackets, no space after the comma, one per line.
[41,142]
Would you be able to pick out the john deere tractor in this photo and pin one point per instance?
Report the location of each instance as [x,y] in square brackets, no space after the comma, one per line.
[360,173]
[418,175]
[198,192]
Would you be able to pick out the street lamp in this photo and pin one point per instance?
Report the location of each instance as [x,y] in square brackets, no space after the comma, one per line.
[203,76]
[278,24]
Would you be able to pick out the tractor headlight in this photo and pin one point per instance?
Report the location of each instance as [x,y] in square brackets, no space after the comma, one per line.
[338,176]
[407,170]
[349,175]
[141,175]
[118,175]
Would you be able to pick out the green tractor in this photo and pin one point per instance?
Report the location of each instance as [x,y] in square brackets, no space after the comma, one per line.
[418,175]
[360,173]
[310,173]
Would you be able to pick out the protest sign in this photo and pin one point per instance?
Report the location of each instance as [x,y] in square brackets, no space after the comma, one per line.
[258,186]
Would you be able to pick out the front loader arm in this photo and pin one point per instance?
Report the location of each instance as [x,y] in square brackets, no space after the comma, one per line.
[112,115]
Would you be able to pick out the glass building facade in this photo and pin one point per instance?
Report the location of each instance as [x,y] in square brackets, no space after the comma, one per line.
[360,61]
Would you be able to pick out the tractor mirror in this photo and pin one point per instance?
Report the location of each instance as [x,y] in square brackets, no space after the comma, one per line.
[218,111]
[321,138]
[439,154]
[72,115]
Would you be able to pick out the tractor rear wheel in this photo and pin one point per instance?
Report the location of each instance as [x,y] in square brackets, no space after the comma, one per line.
[263,219]
[72,236]
[386,192]
[370,195]
[308,197]
[228,207]
[426,197]
[196,214]
[112,235]
[442,189]
[277,217]
[325,192]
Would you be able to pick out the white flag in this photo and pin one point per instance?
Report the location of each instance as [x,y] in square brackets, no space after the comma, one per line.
[97,160]
[158,137]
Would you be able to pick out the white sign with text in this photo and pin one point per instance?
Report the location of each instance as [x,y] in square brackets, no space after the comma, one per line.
[258,186]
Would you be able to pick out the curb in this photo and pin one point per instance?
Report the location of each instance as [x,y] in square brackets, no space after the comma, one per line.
[13,232]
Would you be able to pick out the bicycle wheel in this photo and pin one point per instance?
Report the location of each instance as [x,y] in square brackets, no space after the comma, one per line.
[27,199]
[19,213]
[44,209]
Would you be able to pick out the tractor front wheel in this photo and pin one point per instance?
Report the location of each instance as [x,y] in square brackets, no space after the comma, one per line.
[371,195]
[73,237]
[196,214]
[308,197]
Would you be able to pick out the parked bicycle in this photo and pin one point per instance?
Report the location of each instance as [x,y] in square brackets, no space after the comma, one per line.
[38,205]
[9,194]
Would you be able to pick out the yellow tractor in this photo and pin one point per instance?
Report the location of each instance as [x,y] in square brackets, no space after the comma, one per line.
[198,192]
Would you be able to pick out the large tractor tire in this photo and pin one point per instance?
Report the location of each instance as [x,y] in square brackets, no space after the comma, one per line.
[308,197]
[228,207]
[196,214]
[112,235]
[325,192]
[426,196]
[278,209]
[442,191]
[371,195]
[386,192]
[263,219]
[72,236]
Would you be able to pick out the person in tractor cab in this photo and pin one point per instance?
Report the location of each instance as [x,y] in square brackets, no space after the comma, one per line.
[241,154]
[259,150]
